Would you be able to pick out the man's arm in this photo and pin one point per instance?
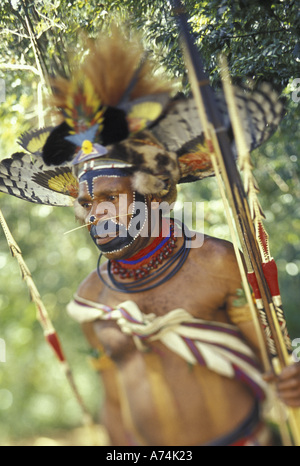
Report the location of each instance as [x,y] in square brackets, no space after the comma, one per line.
[111,413]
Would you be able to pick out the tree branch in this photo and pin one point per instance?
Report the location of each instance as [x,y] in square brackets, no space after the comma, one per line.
[20,67]
[257,33]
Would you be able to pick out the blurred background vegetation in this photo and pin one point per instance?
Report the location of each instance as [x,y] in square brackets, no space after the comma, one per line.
[261,40]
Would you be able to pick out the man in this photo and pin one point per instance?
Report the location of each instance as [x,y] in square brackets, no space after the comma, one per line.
[153,396]
[178,358]
[170,401]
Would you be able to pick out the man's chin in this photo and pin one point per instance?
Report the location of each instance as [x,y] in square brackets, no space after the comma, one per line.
[119,252]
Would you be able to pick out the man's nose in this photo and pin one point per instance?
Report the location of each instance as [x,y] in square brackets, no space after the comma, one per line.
[102,210]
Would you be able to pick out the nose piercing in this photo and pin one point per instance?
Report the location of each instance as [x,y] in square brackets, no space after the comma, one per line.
[92,220]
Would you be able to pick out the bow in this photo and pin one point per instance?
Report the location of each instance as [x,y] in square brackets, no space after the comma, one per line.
[49,331]
[248,217]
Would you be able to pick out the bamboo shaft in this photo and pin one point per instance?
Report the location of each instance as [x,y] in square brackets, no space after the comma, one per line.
[42,314]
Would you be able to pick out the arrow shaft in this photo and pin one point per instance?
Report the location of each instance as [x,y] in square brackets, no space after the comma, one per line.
[231,177]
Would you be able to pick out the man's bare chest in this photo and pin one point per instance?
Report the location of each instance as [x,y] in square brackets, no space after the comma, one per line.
[195,295]
[193,289]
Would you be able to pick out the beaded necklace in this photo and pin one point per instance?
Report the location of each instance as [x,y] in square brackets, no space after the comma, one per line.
[147,259]
[144,282]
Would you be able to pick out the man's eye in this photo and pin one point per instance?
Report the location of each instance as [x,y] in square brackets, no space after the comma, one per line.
[111,198]
[86,205]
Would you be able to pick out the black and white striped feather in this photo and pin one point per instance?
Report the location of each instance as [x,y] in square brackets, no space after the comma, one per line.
[27,177]
[260,112]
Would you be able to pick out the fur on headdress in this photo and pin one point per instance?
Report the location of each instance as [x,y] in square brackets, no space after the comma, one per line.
[114,108]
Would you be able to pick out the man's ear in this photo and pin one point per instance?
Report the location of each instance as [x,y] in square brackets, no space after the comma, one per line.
[154,201]
[154,198]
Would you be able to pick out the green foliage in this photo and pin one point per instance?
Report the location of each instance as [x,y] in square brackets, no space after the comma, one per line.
[261,41]
[260,38]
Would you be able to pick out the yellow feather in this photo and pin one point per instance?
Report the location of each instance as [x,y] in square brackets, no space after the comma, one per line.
[36,144]
[65,183]
[90,95]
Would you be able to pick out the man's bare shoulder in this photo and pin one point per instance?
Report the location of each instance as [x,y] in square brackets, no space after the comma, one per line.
[218,254]
[90,287]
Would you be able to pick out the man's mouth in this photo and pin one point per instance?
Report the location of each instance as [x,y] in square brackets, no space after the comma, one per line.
[103,239]
[105,230]
[106,227]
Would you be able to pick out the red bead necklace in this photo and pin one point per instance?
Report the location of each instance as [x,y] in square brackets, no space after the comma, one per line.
[149,258]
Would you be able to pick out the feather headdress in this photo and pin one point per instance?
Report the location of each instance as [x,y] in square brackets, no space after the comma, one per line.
[111,96]
[115,111]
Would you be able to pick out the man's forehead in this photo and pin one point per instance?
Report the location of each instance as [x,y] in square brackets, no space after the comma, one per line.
[96,185]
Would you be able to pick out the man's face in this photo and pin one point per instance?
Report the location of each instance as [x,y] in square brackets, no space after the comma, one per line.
[111,198]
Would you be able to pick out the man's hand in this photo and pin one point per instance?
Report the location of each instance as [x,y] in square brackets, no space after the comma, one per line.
[287,384]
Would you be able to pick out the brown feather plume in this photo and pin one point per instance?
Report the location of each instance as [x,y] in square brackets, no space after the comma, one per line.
[110,64]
